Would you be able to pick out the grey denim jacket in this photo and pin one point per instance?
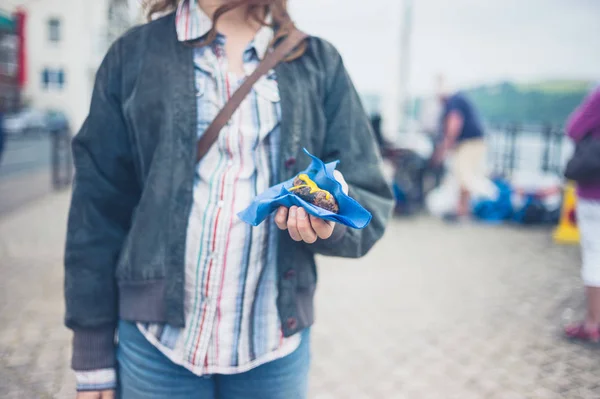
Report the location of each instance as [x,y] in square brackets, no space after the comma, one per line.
[134,162]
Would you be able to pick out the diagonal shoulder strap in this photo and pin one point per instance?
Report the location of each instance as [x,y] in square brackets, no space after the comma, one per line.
[269,62]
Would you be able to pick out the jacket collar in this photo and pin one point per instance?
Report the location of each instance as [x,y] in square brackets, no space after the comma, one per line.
[192,23]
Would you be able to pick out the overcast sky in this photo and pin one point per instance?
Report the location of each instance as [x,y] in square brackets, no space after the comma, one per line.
[469,41]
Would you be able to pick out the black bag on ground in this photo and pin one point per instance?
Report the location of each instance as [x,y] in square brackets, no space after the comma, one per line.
[584,166]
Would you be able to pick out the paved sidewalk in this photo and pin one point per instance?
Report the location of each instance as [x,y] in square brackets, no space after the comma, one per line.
[34,346]
[16,191]
[434,311]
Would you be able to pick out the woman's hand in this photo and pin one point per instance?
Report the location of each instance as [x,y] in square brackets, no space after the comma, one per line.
[96,395]
[302,226]
[305,227]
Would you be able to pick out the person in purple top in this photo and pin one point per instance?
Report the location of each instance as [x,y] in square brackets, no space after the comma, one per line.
[584,121]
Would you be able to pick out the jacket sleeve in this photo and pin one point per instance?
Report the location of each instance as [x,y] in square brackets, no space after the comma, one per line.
[585,118]
[350,139]
[105,192]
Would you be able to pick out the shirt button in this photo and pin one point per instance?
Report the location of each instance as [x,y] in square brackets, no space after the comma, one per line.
[229,163]
[292,323]
[290,274]
[290,162]
[220,204]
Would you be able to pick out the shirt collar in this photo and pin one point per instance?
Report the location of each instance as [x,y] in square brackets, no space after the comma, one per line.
[192,23]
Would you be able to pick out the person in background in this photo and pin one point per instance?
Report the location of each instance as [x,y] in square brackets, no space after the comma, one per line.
[584,121]
[462,137]
[202,304]
[429,121]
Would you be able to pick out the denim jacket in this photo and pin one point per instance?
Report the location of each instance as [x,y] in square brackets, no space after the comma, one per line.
[135,164]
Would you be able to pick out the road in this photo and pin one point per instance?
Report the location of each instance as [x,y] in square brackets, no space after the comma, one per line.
[435,311]
[25,155]
[24,171]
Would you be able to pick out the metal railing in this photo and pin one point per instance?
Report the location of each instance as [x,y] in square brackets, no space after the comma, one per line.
[33,164]
[513,147]
[29,153]
[531,148]
[61,160]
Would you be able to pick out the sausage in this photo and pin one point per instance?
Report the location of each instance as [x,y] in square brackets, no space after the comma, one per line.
[308,190]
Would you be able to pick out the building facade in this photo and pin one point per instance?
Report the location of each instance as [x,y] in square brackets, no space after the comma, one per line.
[65,43]
[9,71]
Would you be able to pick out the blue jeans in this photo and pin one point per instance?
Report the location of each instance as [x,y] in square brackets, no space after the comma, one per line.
[145,373]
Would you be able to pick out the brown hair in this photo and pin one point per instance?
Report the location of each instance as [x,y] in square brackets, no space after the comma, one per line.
[257,10]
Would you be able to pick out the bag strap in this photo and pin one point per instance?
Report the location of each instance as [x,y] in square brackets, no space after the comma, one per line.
[273,58]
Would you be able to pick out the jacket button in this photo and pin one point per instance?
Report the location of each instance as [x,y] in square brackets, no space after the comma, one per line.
[290,162]
[290,274]
[292,323]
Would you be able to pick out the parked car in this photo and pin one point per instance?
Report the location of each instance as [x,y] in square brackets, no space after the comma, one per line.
[33,121]
[56,121]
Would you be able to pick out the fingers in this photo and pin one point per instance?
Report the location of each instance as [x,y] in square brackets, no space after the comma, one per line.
[304,227]
[301,226]
[90,395]
[292,224]
[281,218]
[323,228]
[108,395]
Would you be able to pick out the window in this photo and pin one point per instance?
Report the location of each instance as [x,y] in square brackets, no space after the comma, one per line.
[8,56]
[54,30]
[53,78]
[60,78]
[45,78]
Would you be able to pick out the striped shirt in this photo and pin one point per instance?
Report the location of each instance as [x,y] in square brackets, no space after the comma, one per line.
[232,321]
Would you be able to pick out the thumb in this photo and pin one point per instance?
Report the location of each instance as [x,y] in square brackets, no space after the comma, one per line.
[340,178]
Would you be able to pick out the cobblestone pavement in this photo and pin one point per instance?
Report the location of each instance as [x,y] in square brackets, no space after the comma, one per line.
[434,311]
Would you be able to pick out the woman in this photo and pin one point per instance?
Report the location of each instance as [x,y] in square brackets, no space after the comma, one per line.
[203,305]
[462,139]
[586,121]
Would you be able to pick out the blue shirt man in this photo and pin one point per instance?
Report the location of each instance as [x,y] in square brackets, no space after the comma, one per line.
[463,137]
[459,105]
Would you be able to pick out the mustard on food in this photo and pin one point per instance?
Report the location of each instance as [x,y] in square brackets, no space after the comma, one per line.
[310,184]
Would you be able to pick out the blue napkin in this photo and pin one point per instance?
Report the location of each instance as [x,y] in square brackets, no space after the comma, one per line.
[351,213]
